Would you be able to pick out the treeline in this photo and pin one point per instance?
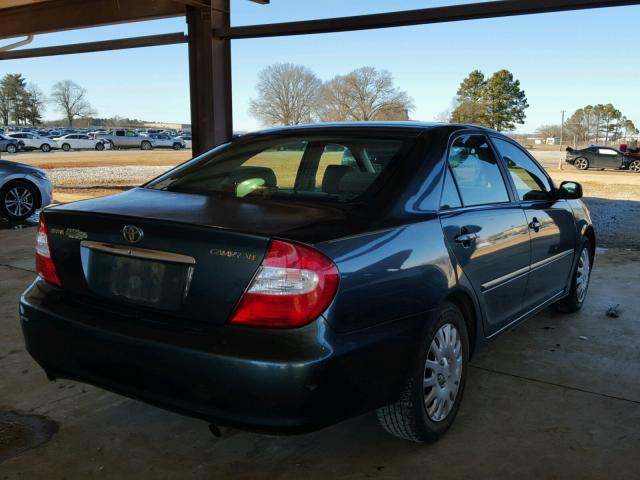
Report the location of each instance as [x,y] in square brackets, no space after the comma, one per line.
[497,102]
[594,124]
[23,103]
[291,94]
[20,102]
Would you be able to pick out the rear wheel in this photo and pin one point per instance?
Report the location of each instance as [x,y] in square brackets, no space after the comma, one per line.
[145,145]
[66,147]
[579,281]
[45,147]
[18,200]
[11,148]
[635,166]
[581,163]
[433,391]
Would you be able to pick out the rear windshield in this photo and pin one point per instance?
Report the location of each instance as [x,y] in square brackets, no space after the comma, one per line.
[338,168]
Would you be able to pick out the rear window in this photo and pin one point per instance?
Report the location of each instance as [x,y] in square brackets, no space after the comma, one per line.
[340,168]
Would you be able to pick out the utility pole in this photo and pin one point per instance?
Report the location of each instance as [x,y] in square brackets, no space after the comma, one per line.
[561,138]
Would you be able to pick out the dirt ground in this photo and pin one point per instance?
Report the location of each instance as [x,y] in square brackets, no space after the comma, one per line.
[106,158]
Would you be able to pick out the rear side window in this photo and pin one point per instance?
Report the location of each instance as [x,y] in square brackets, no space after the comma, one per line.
[476,171]
[450,198]
[530,181]
[315,166]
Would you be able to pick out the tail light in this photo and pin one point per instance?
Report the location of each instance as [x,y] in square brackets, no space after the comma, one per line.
[292,287]
[44,263]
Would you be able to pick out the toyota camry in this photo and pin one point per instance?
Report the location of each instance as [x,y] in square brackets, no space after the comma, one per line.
[296,277]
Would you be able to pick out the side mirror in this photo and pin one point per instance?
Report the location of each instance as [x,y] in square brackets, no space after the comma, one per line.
[570,191]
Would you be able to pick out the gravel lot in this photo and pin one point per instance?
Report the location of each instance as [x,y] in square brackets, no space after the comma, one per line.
[104,176]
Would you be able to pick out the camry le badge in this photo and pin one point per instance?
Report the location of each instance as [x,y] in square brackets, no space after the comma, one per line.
[132,234]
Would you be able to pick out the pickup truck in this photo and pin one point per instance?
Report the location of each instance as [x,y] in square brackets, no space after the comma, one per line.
[127,139]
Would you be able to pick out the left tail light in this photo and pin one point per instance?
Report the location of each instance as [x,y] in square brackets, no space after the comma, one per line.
[292,287]
[45,267]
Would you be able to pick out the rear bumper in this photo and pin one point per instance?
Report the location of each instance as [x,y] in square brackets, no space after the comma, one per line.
[274,381]
[570,160]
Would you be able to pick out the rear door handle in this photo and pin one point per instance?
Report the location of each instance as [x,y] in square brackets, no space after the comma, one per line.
[535,225]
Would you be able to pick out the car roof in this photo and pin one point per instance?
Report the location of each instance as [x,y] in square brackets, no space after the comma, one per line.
[414,127]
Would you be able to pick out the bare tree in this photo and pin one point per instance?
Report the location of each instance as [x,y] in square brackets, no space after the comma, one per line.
[548,131]
[71,99]
[287,95]
[364,94]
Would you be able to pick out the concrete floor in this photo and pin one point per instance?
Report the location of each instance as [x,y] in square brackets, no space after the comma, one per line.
[558,397]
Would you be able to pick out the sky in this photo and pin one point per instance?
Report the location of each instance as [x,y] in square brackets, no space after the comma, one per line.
[564,61]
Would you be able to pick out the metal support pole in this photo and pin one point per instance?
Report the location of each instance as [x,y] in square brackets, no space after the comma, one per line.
[561,138]
[209,76]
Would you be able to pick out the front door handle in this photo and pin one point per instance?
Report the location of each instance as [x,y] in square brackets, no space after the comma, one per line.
[465,239]
[535,225]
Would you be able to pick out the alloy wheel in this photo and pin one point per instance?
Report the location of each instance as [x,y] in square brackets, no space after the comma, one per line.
[582,164]
[582,274]
[635,166]
[443,372]
[19,201]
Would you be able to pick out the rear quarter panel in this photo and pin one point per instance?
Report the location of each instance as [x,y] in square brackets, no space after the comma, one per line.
[389,275]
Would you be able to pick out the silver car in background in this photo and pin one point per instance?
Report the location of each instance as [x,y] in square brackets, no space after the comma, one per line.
[167,141]
[23,190]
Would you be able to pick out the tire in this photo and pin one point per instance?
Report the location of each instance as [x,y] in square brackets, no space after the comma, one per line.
[573,302]
[635,166]
[11,148]
[99,146]
[66,147]
[581,163]
[45,147]
[177,146]
[18,200]
[416,417]
[145,145]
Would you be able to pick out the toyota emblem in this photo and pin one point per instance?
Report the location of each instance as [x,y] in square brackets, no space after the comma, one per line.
[132,234]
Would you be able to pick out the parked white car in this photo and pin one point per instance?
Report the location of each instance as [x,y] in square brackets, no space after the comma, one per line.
[187,140]
[79,141]
[33,141]
[166,141]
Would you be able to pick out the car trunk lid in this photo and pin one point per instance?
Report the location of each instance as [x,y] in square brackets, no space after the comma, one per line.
[181,254]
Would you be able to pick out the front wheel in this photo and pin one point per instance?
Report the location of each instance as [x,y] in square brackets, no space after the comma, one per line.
[18,200]
[635,166]
[433,391]
[99,146]
[177,146]
[11,148]
[579,281]
[582,163]
[145,145]
[45,147]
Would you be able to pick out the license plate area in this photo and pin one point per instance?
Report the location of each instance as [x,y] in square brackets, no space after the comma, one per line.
[144,277]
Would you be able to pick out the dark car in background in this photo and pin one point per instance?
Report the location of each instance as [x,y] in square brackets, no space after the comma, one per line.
[9,145]
[602,157]
[296,277]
